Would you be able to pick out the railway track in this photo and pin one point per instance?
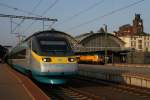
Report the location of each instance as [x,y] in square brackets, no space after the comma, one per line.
[68,93]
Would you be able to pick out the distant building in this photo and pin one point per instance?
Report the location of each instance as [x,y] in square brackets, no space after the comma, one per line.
[134,35]
[137,42]
[136,29]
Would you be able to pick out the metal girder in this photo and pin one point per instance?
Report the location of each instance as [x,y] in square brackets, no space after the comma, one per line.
[27,17]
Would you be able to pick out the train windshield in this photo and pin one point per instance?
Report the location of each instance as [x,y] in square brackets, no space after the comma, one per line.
[53,46]
[50,46]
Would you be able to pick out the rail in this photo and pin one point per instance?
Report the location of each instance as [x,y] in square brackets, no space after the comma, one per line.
[68,93]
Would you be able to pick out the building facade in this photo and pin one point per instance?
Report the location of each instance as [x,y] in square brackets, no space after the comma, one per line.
[135,29]
[137,42]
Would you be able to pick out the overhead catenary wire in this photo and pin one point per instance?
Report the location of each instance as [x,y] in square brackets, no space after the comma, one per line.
[44,12]
[105,15]
[22,21]
[18,9]
[36,6]
[29,13]
[82,12]
[50,7]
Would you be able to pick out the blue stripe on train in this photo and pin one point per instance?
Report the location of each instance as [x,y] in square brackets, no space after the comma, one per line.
[20,68]
[49,80]
[53,73]
[52,77]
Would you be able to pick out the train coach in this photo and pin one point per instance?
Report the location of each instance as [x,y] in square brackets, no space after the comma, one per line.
[46,56]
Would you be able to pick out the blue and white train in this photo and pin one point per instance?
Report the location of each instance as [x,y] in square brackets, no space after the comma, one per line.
[46,56]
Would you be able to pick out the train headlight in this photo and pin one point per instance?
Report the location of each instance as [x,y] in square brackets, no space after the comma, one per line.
[46,59]
[71,59]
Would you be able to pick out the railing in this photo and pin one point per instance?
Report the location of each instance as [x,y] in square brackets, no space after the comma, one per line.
[124,78]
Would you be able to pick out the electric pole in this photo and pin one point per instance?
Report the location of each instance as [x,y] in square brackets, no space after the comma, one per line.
[106,58]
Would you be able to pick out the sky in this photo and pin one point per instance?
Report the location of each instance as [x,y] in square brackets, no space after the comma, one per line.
[75,17]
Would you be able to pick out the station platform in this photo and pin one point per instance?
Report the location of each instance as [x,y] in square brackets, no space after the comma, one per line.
[116,68]
[15,86]
[137,76]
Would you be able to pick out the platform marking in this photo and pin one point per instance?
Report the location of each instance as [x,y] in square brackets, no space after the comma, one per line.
[26,88]
[8,70]
[28,92]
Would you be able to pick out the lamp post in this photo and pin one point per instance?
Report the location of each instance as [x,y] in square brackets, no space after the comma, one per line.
[106,58]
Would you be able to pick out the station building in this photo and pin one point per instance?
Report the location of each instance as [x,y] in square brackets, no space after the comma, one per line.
[103,43]
[130,44]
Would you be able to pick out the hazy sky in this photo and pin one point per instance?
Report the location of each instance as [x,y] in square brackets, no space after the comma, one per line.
[74,16]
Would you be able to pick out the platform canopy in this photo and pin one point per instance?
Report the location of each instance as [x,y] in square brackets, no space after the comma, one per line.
[99,42]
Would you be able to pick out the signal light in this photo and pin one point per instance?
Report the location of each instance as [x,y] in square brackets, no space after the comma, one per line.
[46,59]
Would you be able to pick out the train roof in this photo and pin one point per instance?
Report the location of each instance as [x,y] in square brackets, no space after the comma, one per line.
[51,32]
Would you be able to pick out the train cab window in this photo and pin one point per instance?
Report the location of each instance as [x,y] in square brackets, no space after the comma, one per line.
[46,45]
[53,45]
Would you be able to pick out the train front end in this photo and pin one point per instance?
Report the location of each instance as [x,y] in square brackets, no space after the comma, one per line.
[52,59]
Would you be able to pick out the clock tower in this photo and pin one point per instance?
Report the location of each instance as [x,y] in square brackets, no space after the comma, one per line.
[137,24]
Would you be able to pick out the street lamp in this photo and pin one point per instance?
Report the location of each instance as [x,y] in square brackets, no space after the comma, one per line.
[106,58]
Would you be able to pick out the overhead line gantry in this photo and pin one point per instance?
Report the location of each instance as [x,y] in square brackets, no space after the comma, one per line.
[26,17]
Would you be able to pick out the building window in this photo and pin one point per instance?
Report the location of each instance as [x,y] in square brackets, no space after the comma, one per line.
[131,43]
[134,43]
[146,49]
[140,41]
[140,36]
[145,43]
[134,38]
[140,46]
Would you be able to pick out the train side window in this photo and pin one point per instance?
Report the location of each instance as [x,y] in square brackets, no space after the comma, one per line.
[20,55]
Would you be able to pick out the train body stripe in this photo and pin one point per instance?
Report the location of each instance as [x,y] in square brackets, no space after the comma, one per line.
[37,57]
[54,60]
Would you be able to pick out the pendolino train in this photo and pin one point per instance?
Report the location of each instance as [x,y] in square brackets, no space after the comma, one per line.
[46,56]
